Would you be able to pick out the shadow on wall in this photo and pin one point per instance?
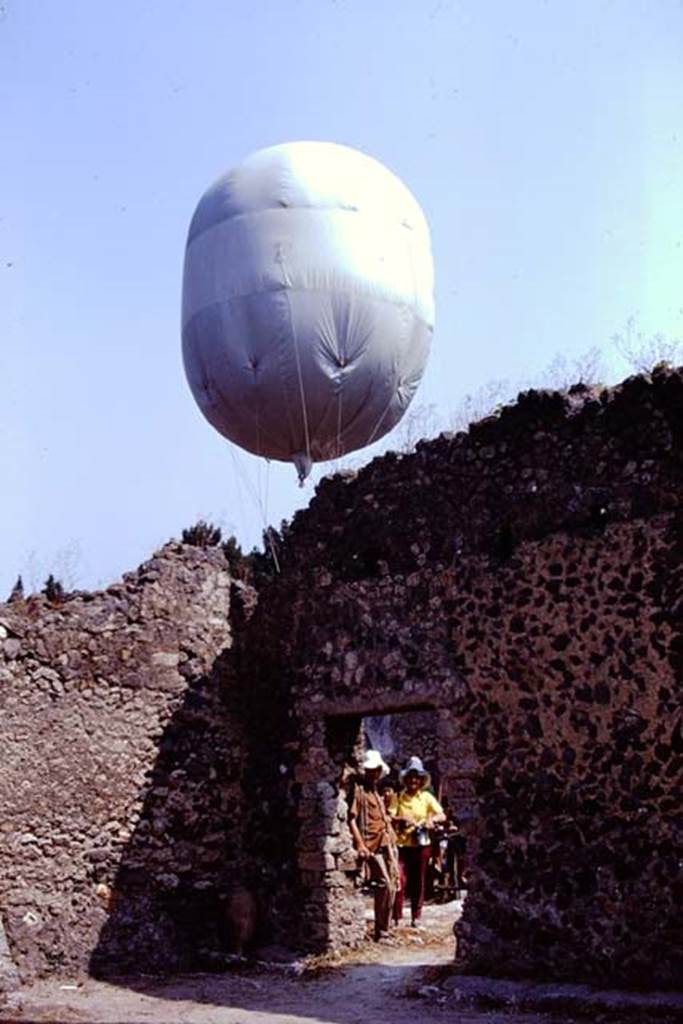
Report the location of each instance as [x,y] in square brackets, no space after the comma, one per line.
[170,897]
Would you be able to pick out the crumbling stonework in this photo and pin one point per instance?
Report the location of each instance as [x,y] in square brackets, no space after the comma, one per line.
[521,582]
[121,756]
[525,581]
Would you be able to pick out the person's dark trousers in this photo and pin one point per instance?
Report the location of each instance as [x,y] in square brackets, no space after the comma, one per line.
[412,863]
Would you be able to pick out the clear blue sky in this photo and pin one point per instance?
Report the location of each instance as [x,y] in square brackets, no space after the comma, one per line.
[543,139]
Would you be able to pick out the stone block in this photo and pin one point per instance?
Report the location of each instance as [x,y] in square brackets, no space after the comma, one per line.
[315,860]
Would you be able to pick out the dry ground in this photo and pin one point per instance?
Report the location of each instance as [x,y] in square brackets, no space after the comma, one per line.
[377,984]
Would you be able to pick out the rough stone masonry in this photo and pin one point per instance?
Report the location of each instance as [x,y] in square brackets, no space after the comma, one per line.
[165,745]
[121,770]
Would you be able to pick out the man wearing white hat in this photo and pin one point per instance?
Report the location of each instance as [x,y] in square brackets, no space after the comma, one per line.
[374,839]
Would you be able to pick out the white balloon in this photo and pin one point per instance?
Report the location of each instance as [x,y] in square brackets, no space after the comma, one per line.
[308,302]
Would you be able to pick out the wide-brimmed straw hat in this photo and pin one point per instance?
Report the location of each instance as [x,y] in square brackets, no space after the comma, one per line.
[373,759]
[414,764]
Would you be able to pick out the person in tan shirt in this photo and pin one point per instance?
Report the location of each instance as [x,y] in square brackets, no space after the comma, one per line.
[374,839]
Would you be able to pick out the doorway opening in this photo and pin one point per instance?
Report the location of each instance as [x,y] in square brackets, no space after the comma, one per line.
[424,732]
[400,738]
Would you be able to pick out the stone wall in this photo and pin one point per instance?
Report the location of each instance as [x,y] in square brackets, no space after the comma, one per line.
[525,581]
[121,757]
[522,583]
[552,461]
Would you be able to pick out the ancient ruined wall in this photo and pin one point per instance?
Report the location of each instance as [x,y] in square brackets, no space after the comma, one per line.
[574,713]
[521,582]
[524,580]
[550,461]
[120,790]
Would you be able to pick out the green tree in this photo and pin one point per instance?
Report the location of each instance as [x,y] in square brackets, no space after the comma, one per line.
[202,535]
[53,590]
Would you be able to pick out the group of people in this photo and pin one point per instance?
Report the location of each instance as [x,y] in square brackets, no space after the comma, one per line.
[391,833]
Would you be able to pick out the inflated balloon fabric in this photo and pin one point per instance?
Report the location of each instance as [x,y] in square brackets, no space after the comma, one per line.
[307,302]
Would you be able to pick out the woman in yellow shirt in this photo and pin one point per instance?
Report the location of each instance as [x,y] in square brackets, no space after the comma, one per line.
[413,812]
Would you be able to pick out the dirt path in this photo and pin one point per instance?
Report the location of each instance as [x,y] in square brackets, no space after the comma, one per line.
[375,985]
[354,994]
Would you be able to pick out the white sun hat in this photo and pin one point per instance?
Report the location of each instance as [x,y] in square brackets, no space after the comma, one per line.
[373,759]
[414,764]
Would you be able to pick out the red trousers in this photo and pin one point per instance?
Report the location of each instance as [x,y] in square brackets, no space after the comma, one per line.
[412,864]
